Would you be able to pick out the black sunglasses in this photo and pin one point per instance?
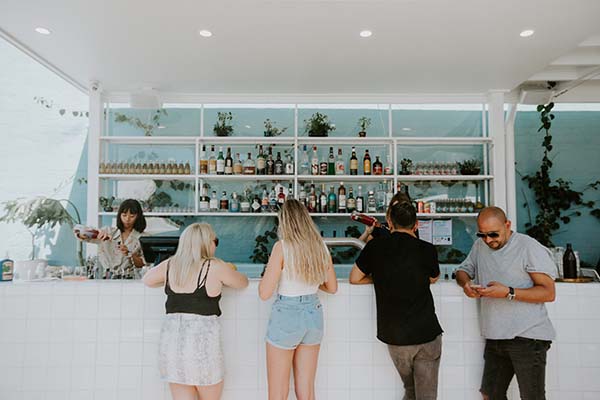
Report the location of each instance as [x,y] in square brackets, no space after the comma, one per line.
[492,235]
[216,240]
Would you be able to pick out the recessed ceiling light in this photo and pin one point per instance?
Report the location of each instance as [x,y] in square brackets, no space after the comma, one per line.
[247,126]
[527,33]
[365,33]
[42,31]
[406,129]
[205,33]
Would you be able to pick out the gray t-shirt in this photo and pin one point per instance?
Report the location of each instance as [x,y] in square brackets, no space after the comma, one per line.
[511,266]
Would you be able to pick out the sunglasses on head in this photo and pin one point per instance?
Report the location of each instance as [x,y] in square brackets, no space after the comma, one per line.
[492,235]
[216,240]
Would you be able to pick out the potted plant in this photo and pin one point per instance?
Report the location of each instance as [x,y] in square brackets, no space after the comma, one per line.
[470,167]
[272,130]
[223,125]
[318,125]
[363,123]
[41,212]
[406,166]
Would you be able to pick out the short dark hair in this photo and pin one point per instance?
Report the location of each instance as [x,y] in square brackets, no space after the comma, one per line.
[134,207]
[402,215]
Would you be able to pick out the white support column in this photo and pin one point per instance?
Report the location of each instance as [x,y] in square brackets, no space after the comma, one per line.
[511,183]
[498,151]
[96,124]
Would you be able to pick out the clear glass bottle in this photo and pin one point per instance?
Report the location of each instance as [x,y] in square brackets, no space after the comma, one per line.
[214,202]
[238,167]
[204,203]
[304,162]
[289,165]
[212,161]
[371,203]
[340,167]
[234,203]
[360,201]
[314,163]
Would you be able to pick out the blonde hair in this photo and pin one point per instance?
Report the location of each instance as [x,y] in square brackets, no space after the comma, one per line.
[305,254]
[195,246]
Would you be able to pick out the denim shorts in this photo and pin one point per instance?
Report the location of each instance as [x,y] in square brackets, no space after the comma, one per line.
[295,321]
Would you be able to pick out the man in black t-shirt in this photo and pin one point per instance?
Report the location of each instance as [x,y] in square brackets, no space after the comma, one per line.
[402,267]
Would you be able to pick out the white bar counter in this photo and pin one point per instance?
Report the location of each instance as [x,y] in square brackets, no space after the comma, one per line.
[98,340]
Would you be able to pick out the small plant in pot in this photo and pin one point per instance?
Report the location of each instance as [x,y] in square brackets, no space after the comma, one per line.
[223,125]
[406,166]
[470,167]
[363,123]
[318,125]
[272,130]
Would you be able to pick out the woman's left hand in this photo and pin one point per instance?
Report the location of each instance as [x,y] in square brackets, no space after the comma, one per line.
[124,249]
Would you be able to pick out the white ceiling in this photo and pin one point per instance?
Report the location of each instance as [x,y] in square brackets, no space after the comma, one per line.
[305,46]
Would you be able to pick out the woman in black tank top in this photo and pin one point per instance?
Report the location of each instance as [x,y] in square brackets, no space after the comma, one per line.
[190,352]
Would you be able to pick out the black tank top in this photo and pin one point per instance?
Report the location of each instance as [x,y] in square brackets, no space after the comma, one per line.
[197,302]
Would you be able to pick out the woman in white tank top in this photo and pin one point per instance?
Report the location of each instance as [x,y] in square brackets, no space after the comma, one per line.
[301,265]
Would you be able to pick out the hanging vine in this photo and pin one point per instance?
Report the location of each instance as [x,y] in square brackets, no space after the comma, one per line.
[553,198]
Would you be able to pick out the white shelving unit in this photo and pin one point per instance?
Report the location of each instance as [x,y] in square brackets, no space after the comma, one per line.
[295,143]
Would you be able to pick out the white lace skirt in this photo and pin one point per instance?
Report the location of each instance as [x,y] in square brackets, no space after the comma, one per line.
[190,350]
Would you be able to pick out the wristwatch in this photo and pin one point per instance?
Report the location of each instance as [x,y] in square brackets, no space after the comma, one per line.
[511,293]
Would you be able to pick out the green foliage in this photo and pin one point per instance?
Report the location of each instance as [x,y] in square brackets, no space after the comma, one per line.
[148,128]
[49,104]
[405,166]
[223,125]
[364,123]
[39,213]
[553,198]
[346,256]
[272,130]
[263,243]
[450,255]
[318,125]
[470,167]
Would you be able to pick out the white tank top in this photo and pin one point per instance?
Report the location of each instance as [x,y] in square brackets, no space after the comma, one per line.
[290,285]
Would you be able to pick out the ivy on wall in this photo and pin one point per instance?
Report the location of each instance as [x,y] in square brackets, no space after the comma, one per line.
[556,200]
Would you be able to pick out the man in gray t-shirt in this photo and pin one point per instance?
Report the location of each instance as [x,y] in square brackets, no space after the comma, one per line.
[513,275]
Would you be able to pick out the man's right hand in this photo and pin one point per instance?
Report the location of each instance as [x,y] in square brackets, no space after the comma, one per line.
[469,291]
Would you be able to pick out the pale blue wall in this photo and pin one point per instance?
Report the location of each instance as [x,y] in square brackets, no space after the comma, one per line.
[576,158]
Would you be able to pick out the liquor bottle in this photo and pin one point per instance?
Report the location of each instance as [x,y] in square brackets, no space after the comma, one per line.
[331,162]
[331,200]
[212,161]
[371,202]
[312,199]
[389,194]
[323,167]
[364,219]
[224,203]
[388,169]
[261,162]
[302,196]
[340,168]
[214,202]
[280,197]
[380,197]
[234,204]
[187,169]
[249,166]
[289,165]
[351,201]
[377,167]
[323,200]
[304,162]
[264,203]
[204,203]
[228,163]
[272,200]
[341,198]
[270,163]
[314,164]
[353,163]
[367,163]
[245,202]
[360,201]
[203,161]
[238,167]
[220,162]
[569,263]
[279,168]
[290,194]
[256,207]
